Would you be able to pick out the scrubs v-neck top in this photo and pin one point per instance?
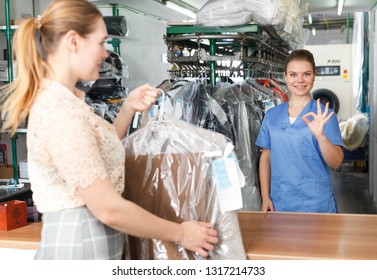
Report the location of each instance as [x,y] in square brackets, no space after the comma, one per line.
[300,177]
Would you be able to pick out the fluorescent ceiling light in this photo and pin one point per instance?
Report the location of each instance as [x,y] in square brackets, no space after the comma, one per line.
[314,31]
[180,9]
[340,6]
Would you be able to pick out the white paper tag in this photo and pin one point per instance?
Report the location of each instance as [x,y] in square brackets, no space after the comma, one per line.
[153,111]
[168,107]
[218,112]
[241,177]
[228,150]
[227,182]
[178,109]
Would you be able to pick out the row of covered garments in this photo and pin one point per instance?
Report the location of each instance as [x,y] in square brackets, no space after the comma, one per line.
[235,110]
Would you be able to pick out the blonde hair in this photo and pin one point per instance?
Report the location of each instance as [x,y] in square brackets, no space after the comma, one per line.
[33,40]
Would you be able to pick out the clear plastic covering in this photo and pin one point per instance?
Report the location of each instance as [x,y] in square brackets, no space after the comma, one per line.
[116,25]
[286,16]
[246,119]
[237,12]
[289,22]
[234,110]
[354,131]
[358,62]
[169,172]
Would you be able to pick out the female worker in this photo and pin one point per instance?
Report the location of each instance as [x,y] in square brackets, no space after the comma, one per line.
[300,140]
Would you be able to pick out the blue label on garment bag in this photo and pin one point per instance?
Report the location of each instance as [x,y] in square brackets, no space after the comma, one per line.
[220,171]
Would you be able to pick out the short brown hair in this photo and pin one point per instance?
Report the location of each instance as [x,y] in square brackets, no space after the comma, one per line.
[301,55]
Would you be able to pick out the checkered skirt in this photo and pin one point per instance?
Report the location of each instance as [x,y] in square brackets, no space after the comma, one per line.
[75,234]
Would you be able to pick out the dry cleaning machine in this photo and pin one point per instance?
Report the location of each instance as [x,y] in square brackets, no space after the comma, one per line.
[333,78]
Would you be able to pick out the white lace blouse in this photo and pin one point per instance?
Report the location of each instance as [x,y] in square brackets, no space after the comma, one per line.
[69,146]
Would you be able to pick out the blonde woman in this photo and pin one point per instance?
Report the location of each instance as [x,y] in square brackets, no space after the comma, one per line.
[75,158]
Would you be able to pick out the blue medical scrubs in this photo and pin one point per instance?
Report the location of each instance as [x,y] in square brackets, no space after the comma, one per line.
[300,177]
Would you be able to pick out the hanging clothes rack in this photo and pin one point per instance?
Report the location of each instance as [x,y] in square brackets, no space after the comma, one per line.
[245,48]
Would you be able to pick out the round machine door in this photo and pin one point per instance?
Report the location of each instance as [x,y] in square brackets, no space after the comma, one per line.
[325,96]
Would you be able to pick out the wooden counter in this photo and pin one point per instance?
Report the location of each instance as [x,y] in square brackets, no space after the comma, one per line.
[250,223]
[27,237]
[274,235]
[312,236]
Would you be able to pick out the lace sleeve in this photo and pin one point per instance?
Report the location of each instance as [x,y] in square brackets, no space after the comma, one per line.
[73,147]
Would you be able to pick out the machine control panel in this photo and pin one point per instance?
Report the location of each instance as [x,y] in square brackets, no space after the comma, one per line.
[333,70]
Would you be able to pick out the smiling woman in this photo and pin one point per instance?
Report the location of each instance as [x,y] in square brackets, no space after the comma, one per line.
[300,141]
[76,158]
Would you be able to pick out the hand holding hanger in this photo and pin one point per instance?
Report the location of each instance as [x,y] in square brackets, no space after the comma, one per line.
[141,98]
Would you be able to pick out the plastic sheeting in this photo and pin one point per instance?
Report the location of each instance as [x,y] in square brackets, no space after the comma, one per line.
[231,13]
[169,172]
[354,131]
[284,15]
[116,25]
[246,118]
[234,110]
[359,63]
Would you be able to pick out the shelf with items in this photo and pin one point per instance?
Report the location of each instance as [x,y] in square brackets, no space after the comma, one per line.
[14,147]
[247,49]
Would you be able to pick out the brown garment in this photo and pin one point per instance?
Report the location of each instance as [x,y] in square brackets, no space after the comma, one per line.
[177,186]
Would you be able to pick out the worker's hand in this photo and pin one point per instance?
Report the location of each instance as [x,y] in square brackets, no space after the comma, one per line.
[317,125]
[198,237]
[142,98]
[267,205]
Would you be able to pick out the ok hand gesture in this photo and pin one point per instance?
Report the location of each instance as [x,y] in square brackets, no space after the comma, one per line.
[317,124]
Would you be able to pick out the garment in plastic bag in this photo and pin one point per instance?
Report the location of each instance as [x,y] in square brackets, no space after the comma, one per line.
[285,16]
[247,124]
[116,25]
[168,171]
[237,12]
[354,131]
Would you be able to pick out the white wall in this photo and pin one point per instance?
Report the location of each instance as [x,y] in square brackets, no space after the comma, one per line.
[142,49]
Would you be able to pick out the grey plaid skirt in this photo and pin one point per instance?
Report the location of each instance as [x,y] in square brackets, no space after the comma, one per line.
[75,234]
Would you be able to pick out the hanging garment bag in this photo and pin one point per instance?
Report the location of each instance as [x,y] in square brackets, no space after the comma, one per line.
[169,172]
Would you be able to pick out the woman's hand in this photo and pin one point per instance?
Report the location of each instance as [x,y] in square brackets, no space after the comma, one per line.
[318,123]
[198,237]
[141,98]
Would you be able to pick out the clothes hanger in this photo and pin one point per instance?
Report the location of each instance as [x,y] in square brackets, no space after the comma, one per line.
[155,124]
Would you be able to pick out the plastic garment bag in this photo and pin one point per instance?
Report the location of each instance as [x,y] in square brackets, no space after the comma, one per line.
[237,12]
[246,126]
[116,25]
[168,172]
